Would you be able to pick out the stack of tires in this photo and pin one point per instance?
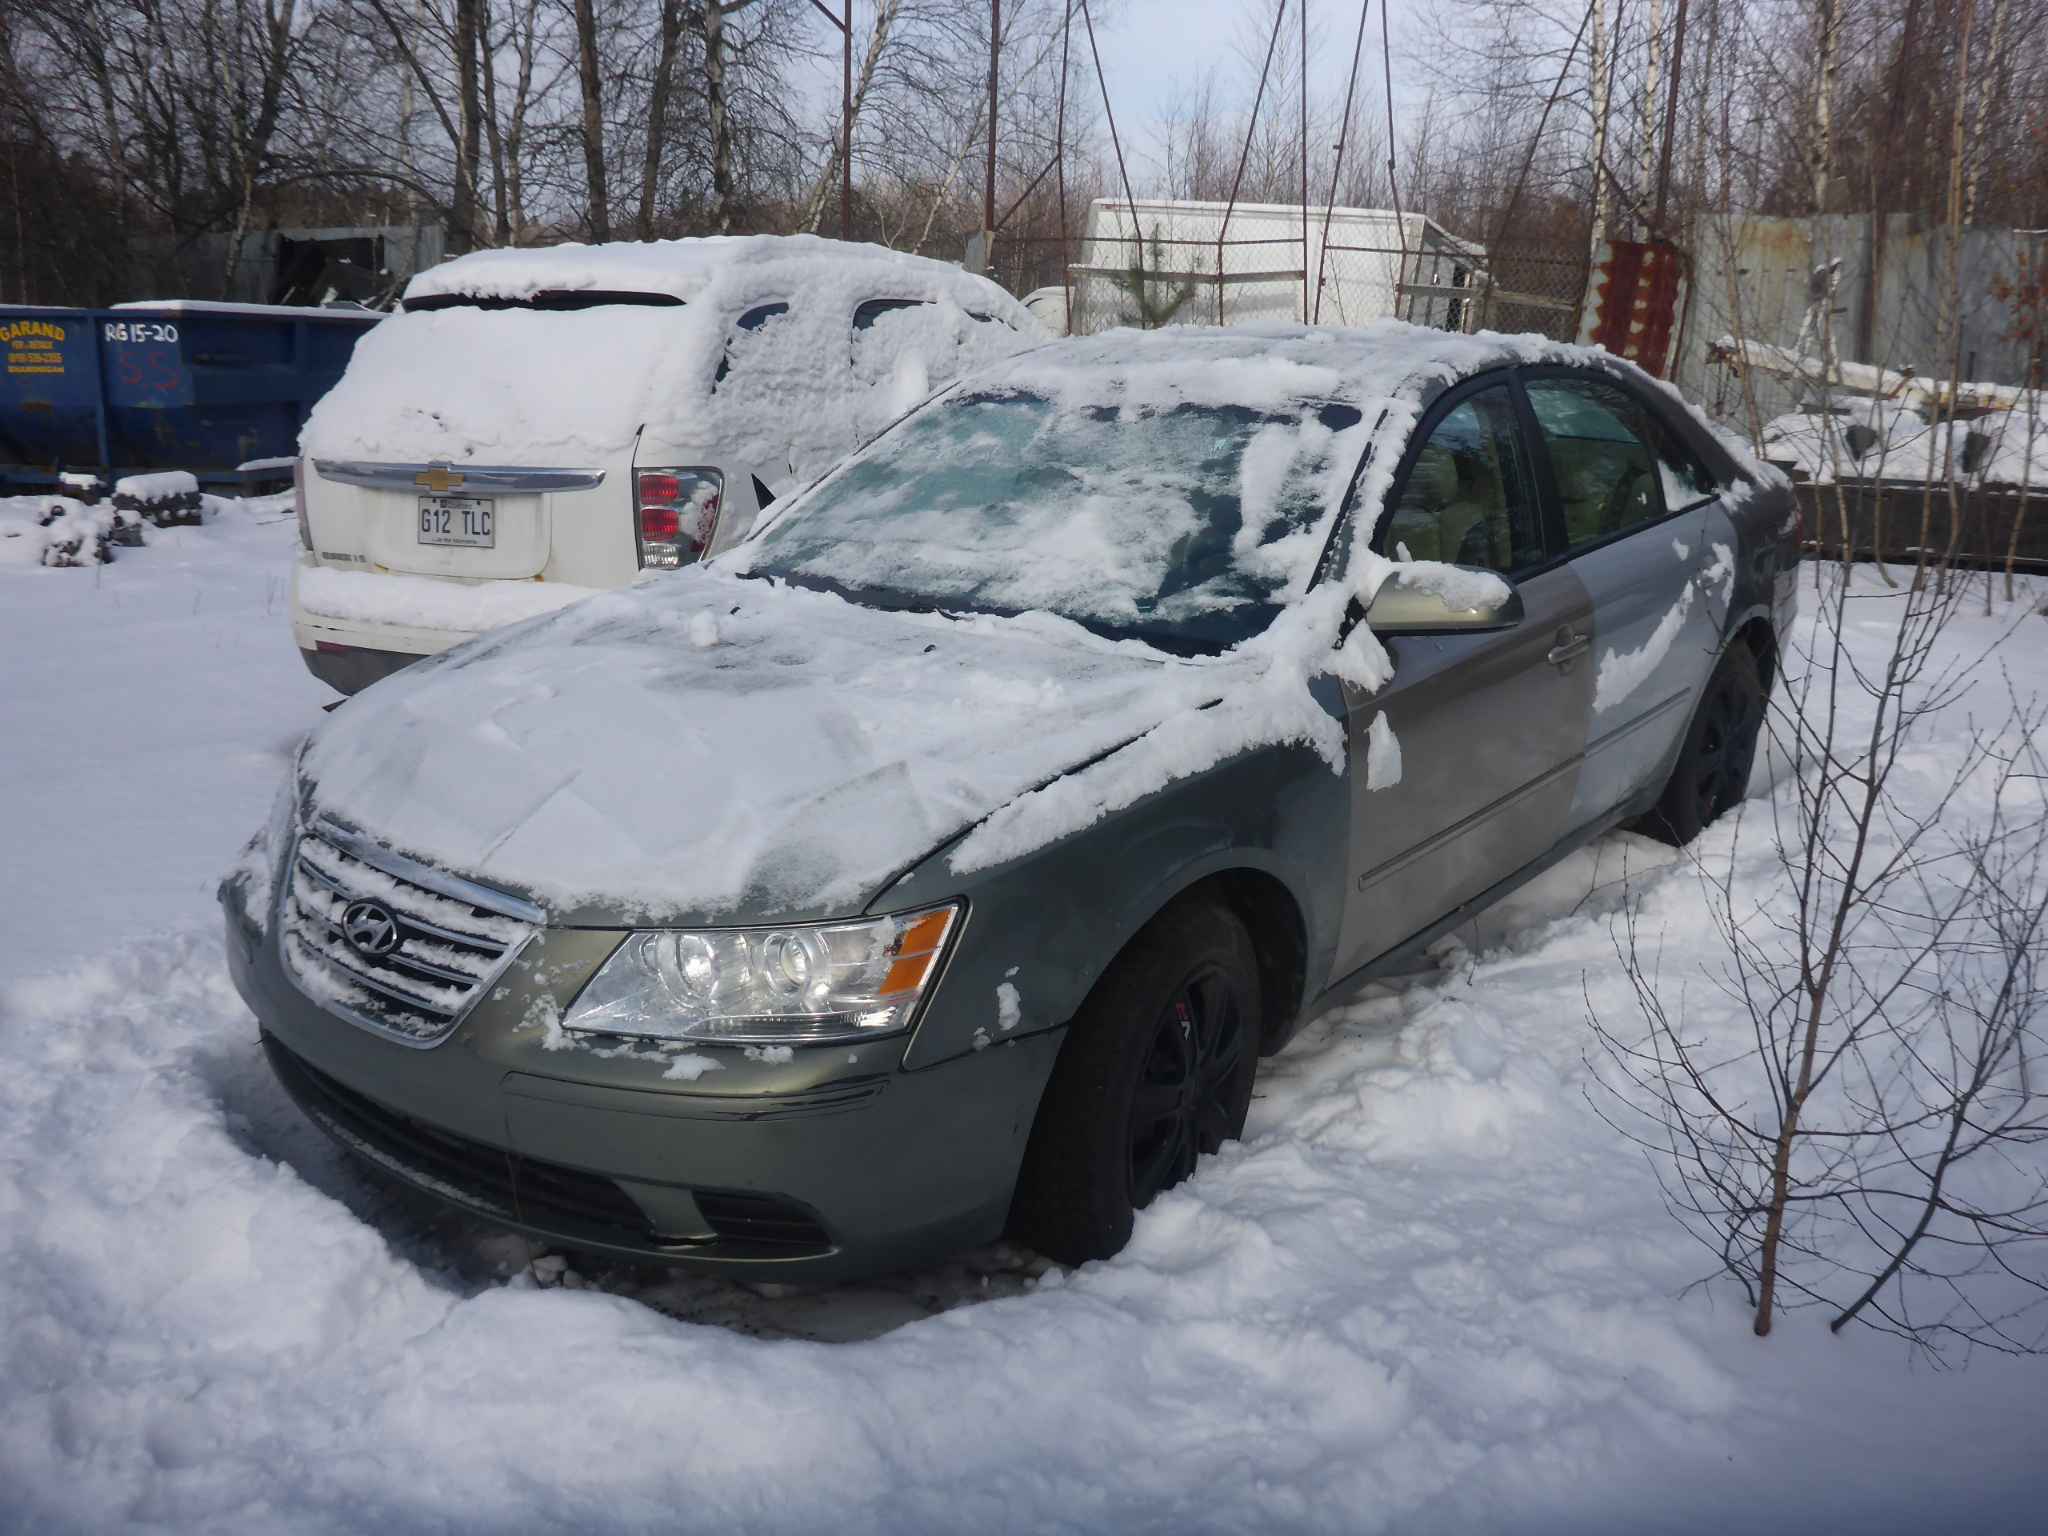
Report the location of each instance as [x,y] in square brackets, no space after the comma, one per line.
[166,500]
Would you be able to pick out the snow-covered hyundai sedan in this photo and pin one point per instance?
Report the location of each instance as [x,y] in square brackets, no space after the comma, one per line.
[942,859]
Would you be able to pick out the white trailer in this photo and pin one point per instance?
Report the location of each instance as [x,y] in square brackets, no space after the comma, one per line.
[1168,262]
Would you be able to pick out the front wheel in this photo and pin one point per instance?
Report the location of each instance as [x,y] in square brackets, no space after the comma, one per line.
[1156,1072]
[1712,772]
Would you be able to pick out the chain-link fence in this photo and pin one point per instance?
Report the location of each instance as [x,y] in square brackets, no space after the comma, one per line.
[1188,263]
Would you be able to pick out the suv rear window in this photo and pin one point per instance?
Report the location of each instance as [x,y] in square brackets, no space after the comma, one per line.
[546,298]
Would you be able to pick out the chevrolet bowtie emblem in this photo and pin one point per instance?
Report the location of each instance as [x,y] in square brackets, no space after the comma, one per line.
[436,479]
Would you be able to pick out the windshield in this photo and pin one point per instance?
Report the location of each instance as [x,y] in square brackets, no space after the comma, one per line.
[1187,525]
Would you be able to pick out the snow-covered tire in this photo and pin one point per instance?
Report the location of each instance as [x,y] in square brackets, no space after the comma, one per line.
[1157,1070]
[1712,771]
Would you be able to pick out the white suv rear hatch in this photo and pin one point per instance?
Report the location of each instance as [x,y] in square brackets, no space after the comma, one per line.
[491,439]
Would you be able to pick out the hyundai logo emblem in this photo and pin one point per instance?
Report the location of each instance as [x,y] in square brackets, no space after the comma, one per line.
[369,929]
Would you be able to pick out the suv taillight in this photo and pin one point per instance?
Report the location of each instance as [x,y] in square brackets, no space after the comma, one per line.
[677,512]
[299,502]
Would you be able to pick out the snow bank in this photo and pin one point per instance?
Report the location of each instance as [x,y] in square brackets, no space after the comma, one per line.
[802,389]
[426,602]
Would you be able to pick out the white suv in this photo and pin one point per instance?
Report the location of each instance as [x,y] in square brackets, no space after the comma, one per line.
[539,424]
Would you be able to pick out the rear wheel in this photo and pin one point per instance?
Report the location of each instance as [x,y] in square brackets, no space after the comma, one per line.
[1712,772]
[1156,1072]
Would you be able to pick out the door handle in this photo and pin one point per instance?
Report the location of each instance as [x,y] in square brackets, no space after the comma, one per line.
[1569,648]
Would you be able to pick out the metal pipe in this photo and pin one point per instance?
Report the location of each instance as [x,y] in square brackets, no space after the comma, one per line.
[846,126]
[1304,162]
[1124,175]
[1059,149]
[1245,154]
[1393,185]
[1336,170]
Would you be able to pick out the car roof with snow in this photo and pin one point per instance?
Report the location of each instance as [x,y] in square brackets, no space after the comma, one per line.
[686,270]
[1387,359]
[1388,368]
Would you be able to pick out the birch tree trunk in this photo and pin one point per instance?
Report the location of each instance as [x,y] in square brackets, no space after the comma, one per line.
[592,87]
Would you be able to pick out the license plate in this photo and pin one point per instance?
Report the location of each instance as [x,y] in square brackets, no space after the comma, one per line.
[471,521]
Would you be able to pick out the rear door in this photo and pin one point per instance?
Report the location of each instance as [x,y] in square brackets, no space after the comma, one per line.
[1487,727]
[1653,552]
[511,424]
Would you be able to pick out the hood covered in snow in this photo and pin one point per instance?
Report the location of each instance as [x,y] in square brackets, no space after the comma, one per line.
[704,746]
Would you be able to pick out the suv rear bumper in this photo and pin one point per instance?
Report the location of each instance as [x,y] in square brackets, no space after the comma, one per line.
[352,668]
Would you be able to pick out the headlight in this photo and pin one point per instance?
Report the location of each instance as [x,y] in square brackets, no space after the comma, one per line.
[792,985]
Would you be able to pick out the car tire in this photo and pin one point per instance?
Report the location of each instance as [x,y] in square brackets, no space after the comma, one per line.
[1712,772]
[1156,1070]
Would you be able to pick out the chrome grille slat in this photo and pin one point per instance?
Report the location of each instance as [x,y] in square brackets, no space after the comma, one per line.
[375,984]
[411,962]
[485,947]
[381,978]
[402,995]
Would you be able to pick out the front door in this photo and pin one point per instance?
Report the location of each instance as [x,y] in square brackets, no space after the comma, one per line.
[1656,556]
[1487,728]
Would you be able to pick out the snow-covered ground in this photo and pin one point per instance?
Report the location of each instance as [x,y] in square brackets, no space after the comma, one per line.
[1430,1291]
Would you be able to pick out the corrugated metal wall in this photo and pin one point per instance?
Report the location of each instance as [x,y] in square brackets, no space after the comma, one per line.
[1752,275]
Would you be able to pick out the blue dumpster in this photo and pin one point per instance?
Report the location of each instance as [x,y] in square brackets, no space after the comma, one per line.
[177,385]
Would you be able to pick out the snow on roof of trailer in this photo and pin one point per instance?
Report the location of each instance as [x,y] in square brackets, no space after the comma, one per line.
[680,269]
[270,311]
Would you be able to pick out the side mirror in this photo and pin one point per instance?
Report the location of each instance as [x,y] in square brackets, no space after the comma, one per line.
[1443,600]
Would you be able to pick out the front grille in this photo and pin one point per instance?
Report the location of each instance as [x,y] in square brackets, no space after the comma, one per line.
[452,939]
[503,1184]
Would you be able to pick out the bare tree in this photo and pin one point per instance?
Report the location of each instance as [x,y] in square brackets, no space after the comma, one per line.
[1867,1151]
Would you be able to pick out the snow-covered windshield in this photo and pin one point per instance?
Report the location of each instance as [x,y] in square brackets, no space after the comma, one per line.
[1186,525]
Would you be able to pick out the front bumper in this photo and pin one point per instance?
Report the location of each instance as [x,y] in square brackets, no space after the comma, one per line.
[833,1164]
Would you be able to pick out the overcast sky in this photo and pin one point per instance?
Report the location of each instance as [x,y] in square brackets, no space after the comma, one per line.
[1154,47]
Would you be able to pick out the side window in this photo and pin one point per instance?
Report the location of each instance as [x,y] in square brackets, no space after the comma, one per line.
[1686,481]
[1606,476]
[1468,498]
[903,349]
[753,320]
[871,310]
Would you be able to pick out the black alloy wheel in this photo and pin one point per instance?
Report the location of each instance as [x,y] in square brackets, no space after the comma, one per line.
[1713,768]
[1182,1105]
[1156,1073]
